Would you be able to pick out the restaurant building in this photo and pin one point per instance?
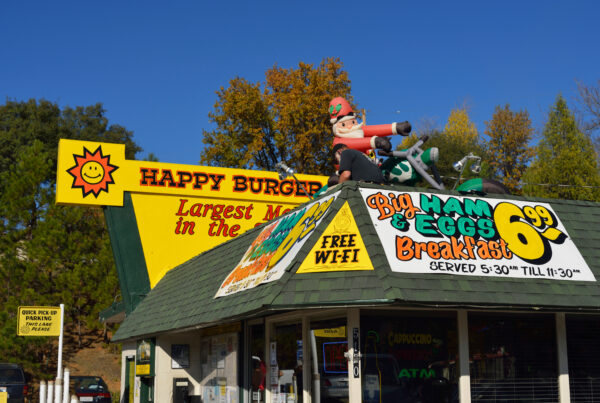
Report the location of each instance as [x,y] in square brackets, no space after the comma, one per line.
[373,293]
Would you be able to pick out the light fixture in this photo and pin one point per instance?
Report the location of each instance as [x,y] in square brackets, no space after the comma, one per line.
[459,166]
[476,167]
[285,172]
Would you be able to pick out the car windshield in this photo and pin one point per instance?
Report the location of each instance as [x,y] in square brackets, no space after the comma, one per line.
[89,384]
[11,375]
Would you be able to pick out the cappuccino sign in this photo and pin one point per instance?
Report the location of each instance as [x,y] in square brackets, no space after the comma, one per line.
[430,233]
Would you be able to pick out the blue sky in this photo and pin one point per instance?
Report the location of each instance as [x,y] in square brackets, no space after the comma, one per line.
[156,65]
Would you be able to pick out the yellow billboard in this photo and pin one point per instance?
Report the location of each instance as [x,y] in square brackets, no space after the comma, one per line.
[38,321]
[180,210]
[98,174]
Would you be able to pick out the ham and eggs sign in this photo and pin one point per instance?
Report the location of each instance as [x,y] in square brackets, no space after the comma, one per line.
[429,233]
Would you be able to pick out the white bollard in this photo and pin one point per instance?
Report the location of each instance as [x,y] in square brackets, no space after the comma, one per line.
[58,390]
[66,385]
[43,391]
[74,399]
[50,394]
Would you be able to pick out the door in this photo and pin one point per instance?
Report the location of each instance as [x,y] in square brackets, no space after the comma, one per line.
[147,390]
[286,357]
[129,380]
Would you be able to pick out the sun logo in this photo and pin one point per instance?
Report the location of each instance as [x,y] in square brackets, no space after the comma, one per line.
[92,172]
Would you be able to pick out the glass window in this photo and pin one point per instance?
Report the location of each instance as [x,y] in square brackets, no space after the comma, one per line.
[331,345]
[408,357]
[258,368]
[583,333]
[219,366]
[512,358]
[288,339]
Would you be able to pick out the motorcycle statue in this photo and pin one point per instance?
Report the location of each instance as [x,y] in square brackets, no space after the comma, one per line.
[408,167]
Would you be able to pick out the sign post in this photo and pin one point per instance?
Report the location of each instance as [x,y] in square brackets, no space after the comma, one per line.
[45,321]
[59,384]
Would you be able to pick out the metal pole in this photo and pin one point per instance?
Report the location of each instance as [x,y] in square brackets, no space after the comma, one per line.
[43,391]
[50,395]
[58,390]
[67,375]
[60,341]
[316,375]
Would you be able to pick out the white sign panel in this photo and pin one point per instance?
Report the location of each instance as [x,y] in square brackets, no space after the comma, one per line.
[430,233]
[275,247]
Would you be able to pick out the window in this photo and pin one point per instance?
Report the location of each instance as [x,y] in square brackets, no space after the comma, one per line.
[408,357]
[512,358]
[583,333]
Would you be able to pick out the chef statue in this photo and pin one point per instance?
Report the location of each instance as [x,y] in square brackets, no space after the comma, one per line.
[359,136]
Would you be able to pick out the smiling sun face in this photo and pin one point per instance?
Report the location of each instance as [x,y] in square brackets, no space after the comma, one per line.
[92,172]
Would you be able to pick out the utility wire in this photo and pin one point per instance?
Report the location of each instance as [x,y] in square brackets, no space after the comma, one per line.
[534,184]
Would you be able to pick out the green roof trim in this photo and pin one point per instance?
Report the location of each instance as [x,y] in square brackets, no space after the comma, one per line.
[184,297]
[115,313]
[128,253]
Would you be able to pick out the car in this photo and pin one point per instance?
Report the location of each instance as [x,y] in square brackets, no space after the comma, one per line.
[90,389]
[334,387]
[13,382]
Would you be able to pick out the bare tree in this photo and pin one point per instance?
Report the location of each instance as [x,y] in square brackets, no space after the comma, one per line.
[589,99]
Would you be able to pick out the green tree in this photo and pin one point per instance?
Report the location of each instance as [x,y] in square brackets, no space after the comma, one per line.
[460,129]
[565,164]
[459,138]
[283,119]
[50,254]
[509,136]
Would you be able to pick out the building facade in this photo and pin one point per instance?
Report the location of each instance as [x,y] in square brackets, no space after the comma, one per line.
[380,294]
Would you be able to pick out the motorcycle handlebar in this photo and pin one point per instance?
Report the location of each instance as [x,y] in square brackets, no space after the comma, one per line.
[423,139]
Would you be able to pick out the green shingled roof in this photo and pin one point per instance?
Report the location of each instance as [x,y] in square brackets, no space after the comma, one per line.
[184,297]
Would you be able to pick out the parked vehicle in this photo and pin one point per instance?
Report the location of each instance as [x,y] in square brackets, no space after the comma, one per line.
[13,382]
[90,389]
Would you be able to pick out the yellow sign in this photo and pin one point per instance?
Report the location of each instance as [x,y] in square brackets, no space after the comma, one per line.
[331,332]
[191,225]
[38,321]
[340,247]
[142,369]
[98,174]
[3,397]
[183,208]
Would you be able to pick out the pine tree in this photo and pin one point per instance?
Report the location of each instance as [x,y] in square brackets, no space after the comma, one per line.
[565,164]
[49,254]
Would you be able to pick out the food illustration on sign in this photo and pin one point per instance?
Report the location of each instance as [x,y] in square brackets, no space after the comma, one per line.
[275,246]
